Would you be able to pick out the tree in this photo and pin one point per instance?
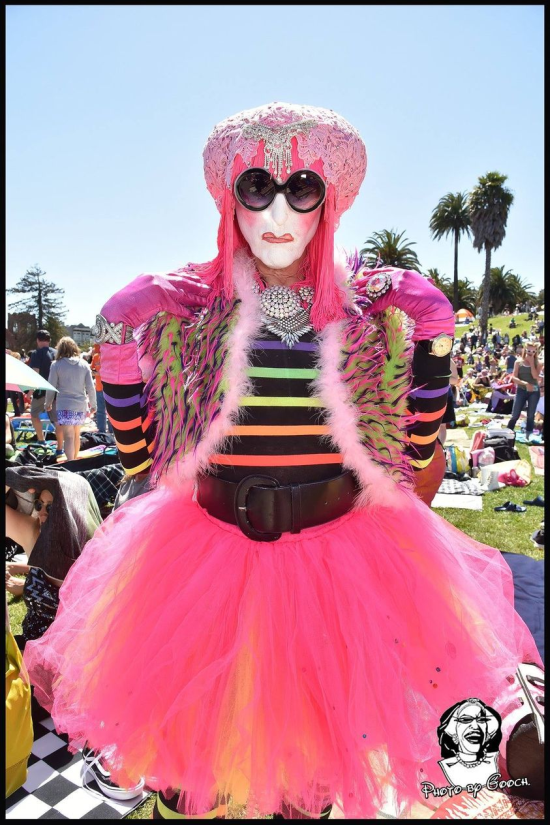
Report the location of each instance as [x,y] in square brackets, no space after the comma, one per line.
[467,295]
[43,299]
[524,292]
[387,249]
[451,217]
[489,204]
[506,290]
[440,281]
[57,330]
[540,298]
[501,290]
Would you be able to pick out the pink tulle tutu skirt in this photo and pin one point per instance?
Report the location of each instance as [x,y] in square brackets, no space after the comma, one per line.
[310,669]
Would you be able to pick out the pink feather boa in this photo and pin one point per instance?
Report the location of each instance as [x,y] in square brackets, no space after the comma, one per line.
[245,329]
[377,487]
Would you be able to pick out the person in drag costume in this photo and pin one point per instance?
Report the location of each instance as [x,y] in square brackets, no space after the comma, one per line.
[280,619]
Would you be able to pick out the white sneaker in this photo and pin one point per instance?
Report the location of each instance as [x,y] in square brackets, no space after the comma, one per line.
[94,768]
[492,483]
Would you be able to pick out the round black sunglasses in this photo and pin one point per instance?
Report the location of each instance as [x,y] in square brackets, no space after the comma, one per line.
[304,190]
[39,504]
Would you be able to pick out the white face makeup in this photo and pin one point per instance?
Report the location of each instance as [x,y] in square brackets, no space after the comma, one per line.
[277,235]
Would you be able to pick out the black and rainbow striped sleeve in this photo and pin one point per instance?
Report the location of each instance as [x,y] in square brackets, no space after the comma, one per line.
[427,402]
[132,429]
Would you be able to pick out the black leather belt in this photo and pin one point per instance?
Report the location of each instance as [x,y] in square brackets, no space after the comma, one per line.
[264,509]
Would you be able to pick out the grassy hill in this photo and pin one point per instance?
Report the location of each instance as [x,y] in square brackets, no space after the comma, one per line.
[502,322]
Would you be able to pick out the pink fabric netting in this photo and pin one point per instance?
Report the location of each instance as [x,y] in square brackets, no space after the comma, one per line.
[207,661]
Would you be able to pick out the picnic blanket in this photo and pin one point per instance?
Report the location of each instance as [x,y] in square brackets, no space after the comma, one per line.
[462,502]
[450,486]
[54,786]
[528,575]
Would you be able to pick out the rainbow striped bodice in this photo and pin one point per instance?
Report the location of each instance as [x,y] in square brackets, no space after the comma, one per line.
[282,429]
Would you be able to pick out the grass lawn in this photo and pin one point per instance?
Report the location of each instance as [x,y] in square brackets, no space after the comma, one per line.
[505,531]
[502,322]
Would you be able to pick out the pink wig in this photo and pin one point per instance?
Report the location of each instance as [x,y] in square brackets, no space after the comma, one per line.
[329,298]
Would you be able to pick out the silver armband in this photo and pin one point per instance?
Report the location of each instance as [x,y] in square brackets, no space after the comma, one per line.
[105,332]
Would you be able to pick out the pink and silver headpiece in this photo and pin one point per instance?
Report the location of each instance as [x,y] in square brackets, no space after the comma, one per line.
[320,134]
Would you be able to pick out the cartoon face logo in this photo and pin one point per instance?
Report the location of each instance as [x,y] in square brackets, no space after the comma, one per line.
[474,728]
[469,735]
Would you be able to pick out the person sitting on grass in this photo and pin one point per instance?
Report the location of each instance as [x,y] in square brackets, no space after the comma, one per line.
[482,385]
[10,438]
[467,386]
[501,399]
[51,514]
[64,516]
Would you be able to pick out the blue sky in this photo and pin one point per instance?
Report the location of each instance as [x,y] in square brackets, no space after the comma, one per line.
[109,107]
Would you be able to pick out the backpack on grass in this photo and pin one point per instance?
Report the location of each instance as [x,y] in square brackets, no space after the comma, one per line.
[504,450]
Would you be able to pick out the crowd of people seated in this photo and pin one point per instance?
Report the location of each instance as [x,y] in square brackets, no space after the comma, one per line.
[506,371]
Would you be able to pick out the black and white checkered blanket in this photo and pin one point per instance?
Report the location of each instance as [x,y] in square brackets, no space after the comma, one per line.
[469,488]
[54,788]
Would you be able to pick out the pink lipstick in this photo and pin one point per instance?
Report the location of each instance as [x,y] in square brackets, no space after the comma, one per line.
[271,238]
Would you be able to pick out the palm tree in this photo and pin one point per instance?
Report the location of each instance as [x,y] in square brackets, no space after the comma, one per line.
[489,205]
[467,295]
[387,249]
[451,217]
[524,292]
[501,291]
[440,281]
[506,289]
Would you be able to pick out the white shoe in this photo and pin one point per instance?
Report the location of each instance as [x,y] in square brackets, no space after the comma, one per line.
[492,483]
[93,767]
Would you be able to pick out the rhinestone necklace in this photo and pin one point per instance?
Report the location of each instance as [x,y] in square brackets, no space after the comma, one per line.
[285,312]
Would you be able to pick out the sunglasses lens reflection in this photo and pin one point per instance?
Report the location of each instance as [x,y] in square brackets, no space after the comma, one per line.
[306,191]
[255,189]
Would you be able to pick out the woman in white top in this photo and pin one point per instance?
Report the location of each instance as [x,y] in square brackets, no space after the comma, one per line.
[72,377]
